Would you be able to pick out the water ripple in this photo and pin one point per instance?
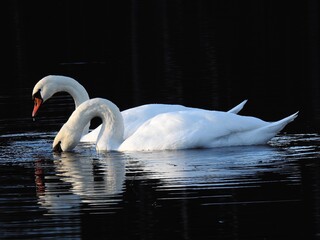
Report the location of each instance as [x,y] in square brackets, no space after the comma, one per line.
[43,194]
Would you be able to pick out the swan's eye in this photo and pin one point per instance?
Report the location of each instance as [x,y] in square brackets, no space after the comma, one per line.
[37,95]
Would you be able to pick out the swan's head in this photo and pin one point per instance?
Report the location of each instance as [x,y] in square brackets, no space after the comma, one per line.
[43,90]
[66,139]
[49,85]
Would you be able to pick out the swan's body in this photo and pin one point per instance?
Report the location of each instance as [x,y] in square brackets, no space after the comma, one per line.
[133,117]
[173,130]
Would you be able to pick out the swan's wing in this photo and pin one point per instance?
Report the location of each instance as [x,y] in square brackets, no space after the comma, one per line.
[133,118]
[188,129]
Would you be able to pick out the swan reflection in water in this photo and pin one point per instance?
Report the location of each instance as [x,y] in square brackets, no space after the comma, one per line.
[197,167]
[72,187]
[79,180]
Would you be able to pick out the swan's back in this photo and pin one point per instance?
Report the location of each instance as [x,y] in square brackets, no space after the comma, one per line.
[201,129]
[135,117]
[188,129]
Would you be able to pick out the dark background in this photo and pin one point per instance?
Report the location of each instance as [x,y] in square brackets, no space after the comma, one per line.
[206,53]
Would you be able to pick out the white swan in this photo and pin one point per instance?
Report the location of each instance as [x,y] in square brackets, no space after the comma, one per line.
[133,117]
[174,130]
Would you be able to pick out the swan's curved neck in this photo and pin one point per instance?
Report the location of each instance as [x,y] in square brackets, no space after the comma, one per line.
[111,133]
[72,87]
[75,89]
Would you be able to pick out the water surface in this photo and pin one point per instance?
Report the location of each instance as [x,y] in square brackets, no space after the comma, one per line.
[255,192]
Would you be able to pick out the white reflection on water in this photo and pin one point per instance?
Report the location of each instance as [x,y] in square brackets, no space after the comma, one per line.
[95,178]
[82,179]
[99,179]
[193,167]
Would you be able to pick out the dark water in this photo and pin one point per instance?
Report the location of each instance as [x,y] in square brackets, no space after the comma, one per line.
[255,192]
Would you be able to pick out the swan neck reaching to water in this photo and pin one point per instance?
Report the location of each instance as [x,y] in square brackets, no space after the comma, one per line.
[111,133]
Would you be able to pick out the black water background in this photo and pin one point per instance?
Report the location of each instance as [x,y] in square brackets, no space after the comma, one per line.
[208,54]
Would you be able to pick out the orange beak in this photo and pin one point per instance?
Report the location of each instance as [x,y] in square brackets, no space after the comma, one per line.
[37,104]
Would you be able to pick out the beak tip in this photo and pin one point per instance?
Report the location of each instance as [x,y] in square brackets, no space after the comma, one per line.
[37,104]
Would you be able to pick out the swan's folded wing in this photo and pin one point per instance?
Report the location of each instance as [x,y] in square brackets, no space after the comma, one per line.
[135,117]
[187,129]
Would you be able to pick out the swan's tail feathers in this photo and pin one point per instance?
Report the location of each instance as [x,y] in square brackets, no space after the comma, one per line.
[288,119]
[279,125]
[238,108]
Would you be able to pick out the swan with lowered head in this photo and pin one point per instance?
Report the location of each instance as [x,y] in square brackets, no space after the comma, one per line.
[133,117]
[167,131]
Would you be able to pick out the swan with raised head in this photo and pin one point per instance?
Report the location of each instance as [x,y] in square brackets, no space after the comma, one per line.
[167,131]
[133,117]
